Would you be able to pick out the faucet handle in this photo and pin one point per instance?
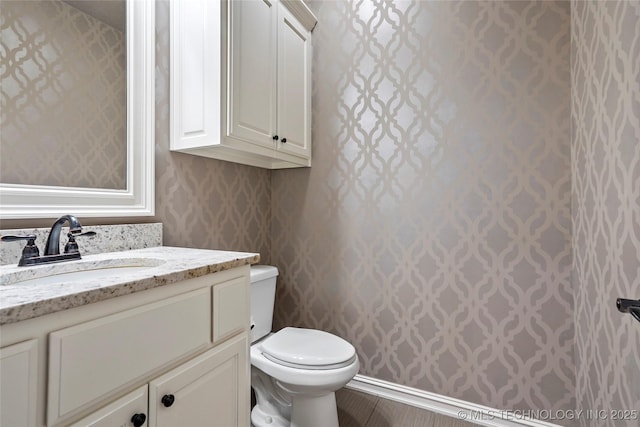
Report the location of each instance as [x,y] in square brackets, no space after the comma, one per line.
[86,233]
[71,245]
[30,238]
[30,250]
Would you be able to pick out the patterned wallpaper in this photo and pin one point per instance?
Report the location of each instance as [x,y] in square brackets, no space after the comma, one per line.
[433,230]
[63,97]
[605,74]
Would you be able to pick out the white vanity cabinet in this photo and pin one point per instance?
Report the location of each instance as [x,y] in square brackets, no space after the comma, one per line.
[168,356]
[241,81]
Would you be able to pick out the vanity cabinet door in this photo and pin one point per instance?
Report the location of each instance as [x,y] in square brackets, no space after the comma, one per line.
[128,411]
[18,379]
[210,390]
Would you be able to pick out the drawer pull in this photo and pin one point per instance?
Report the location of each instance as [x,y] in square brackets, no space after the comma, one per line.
[167,400]
[138,420]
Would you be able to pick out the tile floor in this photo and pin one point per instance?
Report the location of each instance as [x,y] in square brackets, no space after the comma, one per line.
[356,409]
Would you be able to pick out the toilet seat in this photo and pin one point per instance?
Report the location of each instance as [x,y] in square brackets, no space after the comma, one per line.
[308,349]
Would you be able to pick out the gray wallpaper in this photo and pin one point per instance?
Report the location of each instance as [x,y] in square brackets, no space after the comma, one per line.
[605,74]
[63,97]
[433,230]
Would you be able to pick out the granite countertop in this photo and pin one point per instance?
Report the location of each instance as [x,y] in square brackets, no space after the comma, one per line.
[164,265]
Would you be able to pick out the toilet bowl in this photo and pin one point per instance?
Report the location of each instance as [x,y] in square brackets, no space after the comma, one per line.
[294,372]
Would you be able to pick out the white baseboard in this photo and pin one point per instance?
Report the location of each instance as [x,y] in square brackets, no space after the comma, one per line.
[455,408]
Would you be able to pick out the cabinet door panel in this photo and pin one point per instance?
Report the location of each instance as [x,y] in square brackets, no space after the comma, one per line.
[120,412]
[211,390]
[294,85]
[18,376]
[252,70]
[195,73]
[230,308]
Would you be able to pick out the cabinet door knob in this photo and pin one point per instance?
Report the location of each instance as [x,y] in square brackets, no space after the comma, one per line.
[275,137]
[284,140]
[138,420]
[167,400]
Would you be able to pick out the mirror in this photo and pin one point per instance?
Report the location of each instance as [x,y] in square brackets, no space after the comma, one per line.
[64,93]
[97,160]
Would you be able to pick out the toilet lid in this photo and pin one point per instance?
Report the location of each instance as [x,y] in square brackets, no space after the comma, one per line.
[308,348]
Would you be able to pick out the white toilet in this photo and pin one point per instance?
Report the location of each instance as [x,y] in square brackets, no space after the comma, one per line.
[294,372]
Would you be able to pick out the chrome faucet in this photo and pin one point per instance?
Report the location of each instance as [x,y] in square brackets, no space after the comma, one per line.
[53,241]
[31,254]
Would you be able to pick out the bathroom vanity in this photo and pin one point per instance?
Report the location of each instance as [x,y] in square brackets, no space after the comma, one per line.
[150,337]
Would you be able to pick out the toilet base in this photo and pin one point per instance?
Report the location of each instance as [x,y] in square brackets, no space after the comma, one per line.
[273,406]
[286,405]
[307,411]
[260,418]
[314,411]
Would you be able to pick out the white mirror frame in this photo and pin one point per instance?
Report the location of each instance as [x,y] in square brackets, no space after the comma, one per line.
[138,199]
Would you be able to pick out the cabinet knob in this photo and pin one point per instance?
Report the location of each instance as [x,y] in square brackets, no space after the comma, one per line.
[138,420]
[167,400]
[275,137]
[284,140]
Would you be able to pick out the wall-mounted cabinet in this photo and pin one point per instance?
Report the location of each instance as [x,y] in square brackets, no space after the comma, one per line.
[241,81]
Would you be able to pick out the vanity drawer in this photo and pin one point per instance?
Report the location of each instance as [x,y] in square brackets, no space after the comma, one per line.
[89,361]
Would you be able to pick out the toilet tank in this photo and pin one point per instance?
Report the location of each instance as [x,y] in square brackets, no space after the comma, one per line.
[263,295]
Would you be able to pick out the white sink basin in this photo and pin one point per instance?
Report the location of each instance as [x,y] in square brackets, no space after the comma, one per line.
[78,271]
